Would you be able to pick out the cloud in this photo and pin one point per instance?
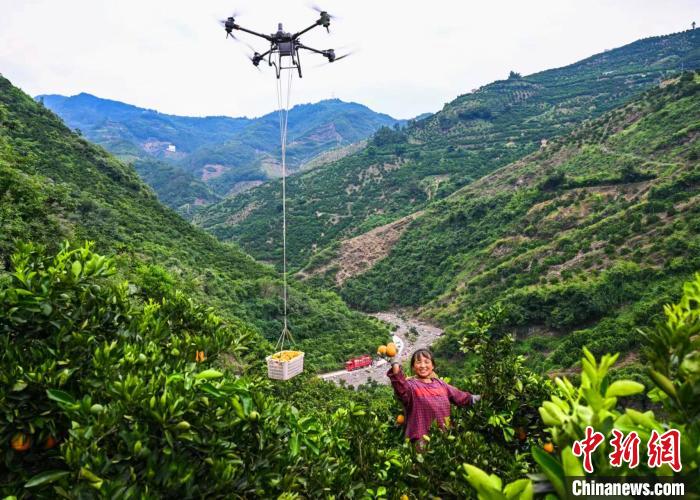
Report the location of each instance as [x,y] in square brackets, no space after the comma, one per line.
[413,56]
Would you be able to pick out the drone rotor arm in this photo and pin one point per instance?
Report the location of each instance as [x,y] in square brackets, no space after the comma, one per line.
[246,30]
[311,49]
[257,58]
[298,34]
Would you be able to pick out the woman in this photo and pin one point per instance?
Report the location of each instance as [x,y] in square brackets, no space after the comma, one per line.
[425,397]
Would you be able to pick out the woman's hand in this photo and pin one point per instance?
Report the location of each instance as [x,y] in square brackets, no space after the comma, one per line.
[395,364]
[476,398]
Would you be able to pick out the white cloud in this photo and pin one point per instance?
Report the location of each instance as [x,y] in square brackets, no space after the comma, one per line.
[413,56]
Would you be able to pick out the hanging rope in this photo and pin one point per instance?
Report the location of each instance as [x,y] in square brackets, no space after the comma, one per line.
[283,113]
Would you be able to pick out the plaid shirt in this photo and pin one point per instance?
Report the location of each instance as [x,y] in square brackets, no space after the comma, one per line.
[425,402]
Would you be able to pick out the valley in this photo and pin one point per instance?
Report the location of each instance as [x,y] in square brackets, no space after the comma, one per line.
[192,162]
[540,234]
[411,333]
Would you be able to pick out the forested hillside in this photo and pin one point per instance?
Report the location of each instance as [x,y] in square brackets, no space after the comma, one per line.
[132,366]
[582,241]
[191,162]
[402,171]
[54,185]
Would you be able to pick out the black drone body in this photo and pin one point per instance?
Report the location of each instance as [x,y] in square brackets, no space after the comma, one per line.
[284,45]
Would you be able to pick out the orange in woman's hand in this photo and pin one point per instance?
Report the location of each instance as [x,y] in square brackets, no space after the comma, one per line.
[381,350]
[391,349]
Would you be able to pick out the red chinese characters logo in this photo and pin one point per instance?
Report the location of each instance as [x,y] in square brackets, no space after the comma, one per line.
[587,446]
[661,448]
[665,449]
[626,449]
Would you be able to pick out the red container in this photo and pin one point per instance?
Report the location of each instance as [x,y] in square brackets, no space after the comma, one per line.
[359,362]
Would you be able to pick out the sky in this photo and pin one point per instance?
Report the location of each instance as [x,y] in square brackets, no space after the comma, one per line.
[408,57]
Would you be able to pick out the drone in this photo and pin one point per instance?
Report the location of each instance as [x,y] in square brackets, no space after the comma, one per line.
[284,45]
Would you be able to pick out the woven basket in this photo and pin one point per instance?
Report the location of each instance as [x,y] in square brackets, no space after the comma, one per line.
[284,370]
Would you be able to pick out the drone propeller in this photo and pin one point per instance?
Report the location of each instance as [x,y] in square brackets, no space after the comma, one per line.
[325,19]
[234,15]
[229,22]
[255,59]
[236,39]
[330,54]
[322,11]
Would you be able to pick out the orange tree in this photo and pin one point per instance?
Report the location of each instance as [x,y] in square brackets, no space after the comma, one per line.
[673,352]
[511,392]
[114,381]
[112,397]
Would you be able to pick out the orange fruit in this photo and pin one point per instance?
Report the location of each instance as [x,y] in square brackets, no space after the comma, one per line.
[50,442]
[403,497]
[520,432]
[548,447]
[391,349]
[20,442]
[381,350]
[400,419]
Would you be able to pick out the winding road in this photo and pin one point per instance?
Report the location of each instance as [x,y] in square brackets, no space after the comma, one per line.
[405,342]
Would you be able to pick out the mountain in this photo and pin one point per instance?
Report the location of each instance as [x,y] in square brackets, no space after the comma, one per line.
[582,241]
[191,162]
[401,172]
[55,185]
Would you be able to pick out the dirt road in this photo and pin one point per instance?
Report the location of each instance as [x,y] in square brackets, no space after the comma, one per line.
[424,336]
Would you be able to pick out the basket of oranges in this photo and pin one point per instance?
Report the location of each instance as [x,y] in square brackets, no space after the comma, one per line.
[284,365]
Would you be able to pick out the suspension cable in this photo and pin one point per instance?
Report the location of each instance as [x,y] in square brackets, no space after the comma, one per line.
[283,114]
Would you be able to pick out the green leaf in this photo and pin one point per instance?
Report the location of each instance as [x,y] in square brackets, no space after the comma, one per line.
[46,477]
[183,426]
[572,465]
[208,374]
[552,469]
[211,390]
[624,388]
[485,485]
[663,383]
[520,489]
[691,365]
[20,385]
[294,445]
[76,268]
[97,408]
[95,481]
[62,398]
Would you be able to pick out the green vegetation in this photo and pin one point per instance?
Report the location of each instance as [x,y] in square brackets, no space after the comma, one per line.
[175,188]
[215,155]
[101,397]
[582,241]
[673,351]
[54,185]
[133,366]
[403,171]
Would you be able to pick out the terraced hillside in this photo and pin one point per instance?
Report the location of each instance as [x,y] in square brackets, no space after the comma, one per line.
[402,171]
[194,161]
[582,241]
[54,185]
